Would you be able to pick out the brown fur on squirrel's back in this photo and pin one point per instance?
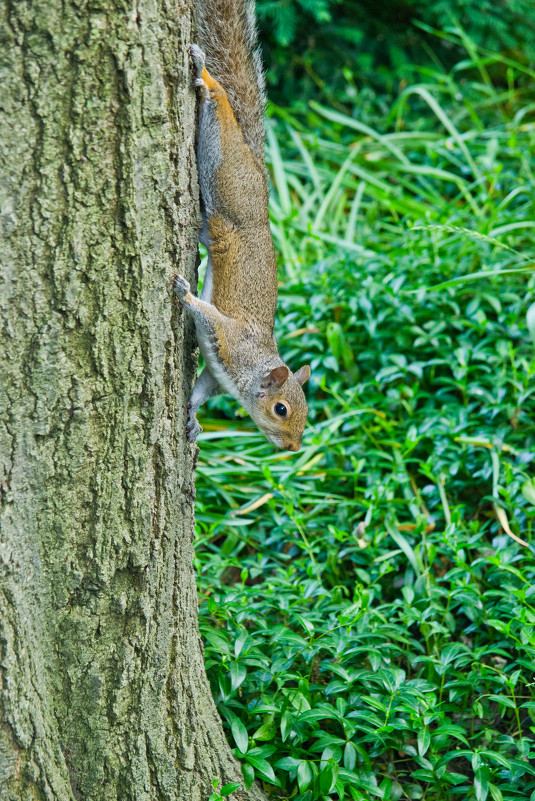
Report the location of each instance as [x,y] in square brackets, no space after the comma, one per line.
[227,34]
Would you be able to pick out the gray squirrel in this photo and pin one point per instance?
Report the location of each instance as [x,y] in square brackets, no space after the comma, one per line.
[234,317]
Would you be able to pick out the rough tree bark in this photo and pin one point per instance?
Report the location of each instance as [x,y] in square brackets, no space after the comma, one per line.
[103,693]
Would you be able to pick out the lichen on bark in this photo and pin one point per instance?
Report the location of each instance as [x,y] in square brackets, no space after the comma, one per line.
[103,694]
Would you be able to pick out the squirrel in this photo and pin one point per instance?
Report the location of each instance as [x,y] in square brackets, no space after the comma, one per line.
[234,317]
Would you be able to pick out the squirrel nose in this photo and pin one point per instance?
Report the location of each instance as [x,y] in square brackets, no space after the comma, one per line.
[292,446]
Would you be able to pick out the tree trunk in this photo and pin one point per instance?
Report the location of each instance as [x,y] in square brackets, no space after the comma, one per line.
[103,693]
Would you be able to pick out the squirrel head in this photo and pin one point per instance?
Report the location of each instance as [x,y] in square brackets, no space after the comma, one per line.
[281,408]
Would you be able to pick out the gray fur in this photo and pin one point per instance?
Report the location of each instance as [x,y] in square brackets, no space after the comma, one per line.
[209,155]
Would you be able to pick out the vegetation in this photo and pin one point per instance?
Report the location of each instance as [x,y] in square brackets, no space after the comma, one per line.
[378,44]
[368,605]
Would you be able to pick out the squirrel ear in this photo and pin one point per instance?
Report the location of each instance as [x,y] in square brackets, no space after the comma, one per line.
[303,374]
[276,377]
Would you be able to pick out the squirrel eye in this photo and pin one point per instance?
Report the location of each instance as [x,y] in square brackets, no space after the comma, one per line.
[280,409]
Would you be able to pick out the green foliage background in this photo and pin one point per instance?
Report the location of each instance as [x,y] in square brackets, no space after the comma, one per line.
[368,605]
[334,48]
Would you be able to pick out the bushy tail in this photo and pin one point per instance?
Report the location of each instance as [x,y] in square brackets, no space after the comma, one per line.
[227,34]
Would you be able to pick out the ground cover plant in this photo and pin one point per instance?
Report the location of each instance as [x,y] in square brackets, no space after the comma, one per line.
[368,605]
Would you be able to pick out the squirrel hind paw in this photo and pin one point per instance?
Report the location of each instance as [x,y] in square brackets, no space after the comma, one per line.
[181,286]
[193,429]
[198,58]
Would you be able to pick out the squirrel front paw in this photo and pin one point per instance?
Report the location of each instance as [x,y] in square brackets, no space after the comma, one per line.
[181,286]
[198,58]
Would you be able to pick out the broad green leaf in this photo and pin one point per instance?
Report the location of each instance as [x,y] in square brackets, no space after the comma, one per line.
[262,767]
[528,488]
[237,674]
[239,642]
[503,700]
[265,732]
[304,775]
[248,774]
[350,756]
[481,784]
[287,763]
[331,751]
[495,792]
[328,776]
[239,732]
[424,741]
[286,725]
[229,788]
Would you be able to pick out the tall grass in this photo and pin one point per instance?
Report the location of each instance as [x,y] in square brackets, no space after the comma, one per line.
[368,605]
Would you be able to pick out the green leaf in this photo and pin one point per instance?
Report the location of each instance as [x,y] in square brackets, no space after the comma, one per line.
[366,781]
[265,732]
[452,731]
[217,641]
[503,700]
[400,540]
[287,763]
[262,767]
[424,741]
[297,700]
[497,757]
[239,732]
[331,751]
[522,767]
[481,784]
[237,674]
[229,788]
[307,624]
[495,792]
[320,713]
[304,775]
[239,642]
[286,725]
[328,776]
[528,489]
[350,756]
[248,774]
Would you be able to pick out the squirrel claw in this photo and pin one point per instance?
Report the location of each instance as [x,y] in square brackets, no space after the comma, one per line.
[181,286]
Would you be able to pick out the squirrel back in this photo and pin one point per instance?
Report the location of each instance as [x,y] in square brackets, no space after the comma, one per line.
[227,34]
